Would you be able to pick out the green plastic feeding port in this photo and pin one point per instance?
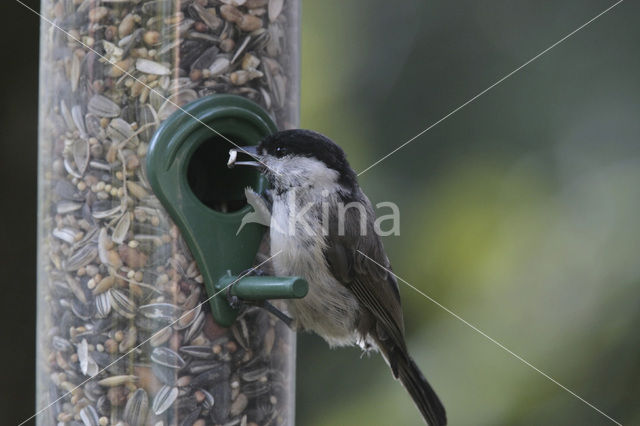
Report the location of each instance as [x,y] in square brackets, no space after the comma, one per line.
[186,167]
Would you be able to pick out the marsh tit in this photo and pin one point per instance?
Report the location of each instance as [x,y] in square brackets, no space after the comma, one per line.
[322,227]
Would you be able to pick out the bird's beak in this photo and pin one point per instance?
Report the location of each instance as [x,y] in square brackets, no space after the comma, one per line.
[248,151]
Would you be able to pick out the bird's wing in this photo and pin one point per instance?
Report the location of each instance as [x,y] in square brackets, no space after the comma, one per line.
[377,291]
[373,286]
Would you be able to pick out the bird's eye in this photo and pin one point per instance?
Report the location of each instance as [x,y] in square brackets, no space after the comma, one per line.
[281,151]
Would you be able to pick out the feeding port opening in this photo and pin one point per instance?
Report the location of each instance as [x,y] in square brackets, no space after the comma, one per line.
[213,183]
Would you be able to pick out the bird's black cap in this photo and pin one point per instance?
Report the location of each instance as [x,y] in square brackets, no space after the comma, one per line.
[308,143]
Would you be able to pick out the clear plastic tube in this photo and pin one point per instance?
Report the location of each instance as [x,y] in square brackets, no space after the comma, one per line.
[123,333]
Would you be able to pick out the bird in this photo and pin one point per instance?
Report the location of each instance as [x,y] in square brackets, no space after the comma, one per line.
[322,229]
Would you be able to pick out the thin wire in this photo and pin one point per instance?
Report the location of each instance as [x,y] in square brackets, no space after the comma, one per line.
[152,336]
[139,81]
[492,86]
[518,357]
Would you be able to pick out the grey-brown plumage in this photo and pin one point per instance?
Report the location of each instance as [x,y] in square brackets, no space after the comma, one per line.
[351,300]
[381,313]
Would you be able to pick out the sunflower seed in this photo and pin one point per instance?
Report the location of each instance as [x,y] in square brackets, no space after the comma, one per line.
[69,168]
[81,154]
[208,400]
[164,399]
[103,107]
[219,66]
[122,304]
[234,2]
[82,257]
[78,120]
[238,405]
[65,206]
[103,285]
[87,364]
[171,105]
[75,72]
[135,412]
[67,191]
[210,19]
[254,374]
[93,391]
[121,131]
[274,9]
[83,355]
[195,328]
[89,416]
[222,395]
[254,389]
[148,119]
[166,312]
[60,344]
[150,67]
[137,190]
[166,375]
[167,357]
[103,305]
[205,60]
[160,337]
[117,380]
[241,49]
[92,122]
[200,352]
[190,419]
[200,366]
[81,310]
[128,340]
[67,235]
[100,165]
[188,318]
[217,373]
[121,229]
[104,214]
[66,115]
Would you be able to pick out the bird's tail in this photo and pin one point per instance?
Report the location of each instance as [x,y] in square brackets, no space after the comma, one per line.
[420,390]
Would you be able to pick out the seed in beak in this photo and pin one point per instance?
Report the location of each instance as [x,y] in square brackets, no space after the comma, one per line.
[233,155]
[248,150]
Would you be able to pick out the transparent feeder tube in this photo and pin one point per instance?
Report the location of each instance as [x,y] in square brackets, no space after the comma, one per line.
[125,335]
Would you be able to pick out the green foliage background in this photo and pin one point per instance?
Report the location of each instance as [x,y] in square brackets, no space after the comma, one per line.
[518,213]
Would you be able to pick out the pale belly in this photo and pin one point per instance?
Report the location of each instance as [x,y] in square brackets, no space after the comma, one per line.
[329,309]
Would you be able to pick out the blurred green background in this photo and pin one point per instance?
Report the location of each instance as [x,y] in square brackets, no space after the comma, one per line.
[518,213]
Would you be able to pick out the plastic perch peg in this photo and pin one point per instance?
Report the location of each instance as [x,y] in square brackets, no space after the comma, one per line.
[263,287]
[186,167]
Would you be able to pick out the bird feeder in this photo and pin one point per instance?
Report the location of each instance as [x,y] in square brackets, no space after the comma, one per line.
[186,169]
[140,246]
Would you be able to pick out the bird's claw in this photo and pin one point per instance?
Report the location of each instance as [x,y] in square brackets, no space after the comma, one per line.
[234,301]
[278,314]
[252,272]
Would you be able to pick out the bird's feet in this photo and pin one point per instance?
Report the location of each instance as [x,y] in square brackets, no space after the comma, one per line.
[278,314]
[234,301]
